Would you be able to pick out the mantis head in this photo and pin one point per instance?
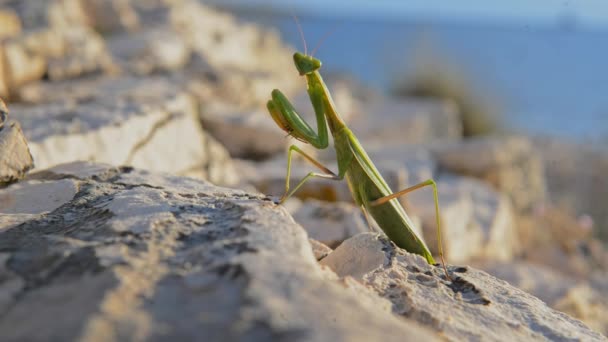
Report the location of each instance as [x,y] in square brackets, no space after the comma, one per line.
[305,64]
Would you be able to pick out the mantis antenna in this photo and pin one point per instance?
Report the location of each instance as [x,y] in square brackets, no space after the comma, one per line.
[295,18]
[322,40]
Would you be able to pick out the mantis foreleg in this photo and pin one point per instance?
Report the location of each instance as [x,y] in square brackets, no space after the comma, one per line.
[327,175]
[428,182]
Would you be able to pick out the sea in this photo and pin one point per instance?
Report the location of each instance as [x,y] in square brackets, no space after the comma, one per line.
[546,80]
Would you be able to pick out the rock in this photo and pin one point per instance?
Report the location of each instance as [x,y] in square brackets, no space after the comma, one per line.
[138,255]
[319,249]
[85,53]
[510,164]
[149,51]
[477,221]
[147,123]
[52,53]
[555,238]
[15,157]
[110,16]
[18,66]
[11,25]
[473,306]
[574,297]
[247,134]
[330,222]
[391,121]
[576,179]
[35,14]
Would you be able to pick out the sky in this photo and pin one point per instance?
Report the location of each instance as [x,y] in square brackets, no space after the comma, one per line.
[588,13]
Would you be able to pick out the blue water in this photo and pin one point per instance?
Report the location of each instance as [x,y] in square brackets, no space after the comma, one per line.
[547,81]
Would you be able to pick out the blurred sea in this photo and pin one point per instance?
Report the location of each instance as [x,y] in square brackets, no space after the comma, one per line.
[545,80]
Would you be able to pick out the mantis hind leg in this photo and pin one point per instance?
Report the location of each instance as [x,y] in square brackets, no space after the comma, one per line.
[428,182]
[328,174]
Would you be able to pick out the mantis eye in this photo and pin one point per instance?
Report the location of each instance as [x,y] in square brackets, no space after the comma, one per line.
[305,64]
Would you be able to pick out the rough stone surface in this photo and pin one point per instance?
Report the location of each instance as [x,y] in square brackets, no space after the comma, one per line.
[319,249]
[15,156]
[577,298]
[477,221]
[510,164]
[146,123]
[473,306]
[132,255]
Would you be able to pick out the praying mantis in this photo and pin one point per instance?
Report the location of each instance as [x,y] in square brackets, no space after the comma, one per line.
[369,190]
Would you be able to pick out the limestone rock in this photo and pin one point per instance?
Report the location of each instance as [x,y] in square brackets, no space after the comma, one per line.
[409,121]
[148,51]
[477,221]
[510,164]
[133,255]
[147,123]
[110,16]
[576,179]
[330,222]
[319,249]
[58,54]
[85,53]
[577,298]
[15,157]
[555,238]
[11,24]
[473,306]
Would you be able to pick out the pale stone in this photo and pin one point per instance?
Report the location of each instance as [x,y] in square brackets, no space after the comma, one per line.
[15,156]
[330,223]
[510,164]
[11,25]
[576,179]
[471,306]
[85,53]
[578,298]
[477,221]
[139,255]
[149,51]
[146,123]
[36,197]
[319,249]
[409,121]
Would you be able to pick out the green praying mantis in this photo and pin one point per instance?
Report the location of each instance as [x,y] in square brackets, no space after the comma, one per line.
[369,190]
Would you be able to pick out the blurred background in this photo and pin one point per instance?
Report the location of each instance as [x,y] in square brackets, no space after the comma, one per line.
[538,66]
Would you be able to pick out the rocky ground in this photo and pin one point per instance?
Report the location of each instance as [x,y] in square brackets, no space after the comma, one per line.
[124,120]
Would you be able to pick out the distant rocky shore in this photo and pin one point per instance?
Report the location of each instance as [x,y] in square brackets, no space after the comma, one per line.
[139,171]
